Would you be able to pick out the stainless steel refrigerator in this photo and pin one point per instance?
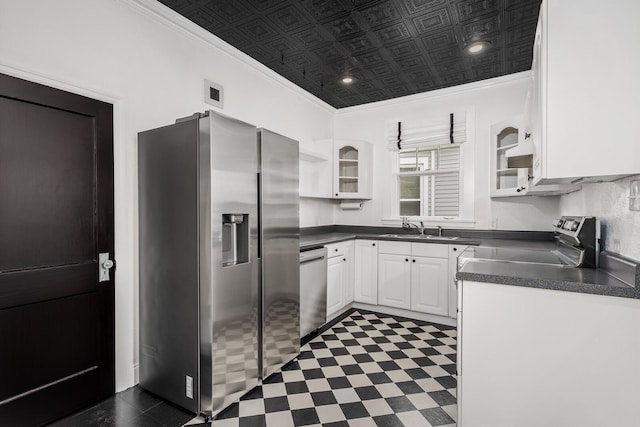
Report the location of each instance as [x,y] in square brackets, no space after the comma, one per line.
[219,250]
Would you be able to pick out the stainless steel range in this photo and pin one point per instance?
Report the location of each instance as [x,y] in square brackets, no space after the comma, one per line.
[577,245]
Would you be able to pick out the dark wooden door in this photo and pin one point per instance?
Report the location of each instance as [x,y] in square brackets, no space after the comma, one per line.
[56,215]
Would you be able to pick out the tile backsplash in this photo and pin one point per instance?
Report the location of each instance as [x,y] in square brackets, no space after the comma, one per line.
[609,201]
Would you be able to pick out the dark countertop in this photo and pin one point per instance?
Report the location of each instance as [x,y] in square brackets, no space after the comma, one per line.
[570,279]
[311,241]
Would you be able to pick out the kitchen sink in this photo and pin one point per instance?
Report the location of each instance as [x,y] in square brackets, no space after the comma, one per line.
[430,237]
[418,236]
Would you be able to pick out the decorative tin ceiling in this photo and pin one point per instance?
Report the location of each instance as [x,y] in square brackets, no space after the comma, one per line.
[390,48]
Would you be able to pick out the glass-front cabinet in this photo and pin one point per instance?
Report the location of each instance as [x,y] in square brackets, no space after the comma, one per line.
[352,169]
[506,181]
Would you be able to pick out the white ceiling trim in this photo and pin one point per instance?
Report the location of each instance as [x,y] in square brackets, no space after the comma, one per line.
[438,93]
[167,16]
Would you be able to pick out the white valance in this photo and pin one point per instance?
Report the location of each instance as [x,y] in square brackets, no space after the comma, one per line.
[431,132]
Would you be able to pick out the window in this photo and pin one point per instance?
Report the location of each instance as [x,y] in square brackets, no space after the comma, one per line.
[428,154]
[429,181]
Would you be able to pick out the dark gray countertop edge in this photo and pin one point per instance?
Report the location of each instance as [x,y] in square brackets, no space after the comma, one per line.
[332,238]
[467,234]
[578,287]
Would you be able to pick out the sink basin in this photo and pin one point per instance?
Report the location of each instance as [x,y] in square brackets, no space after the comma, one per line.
[417,236]
[430,237]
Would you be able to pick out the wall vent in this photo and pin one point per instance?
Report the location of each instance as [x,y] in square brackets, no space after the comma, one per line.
[213,93]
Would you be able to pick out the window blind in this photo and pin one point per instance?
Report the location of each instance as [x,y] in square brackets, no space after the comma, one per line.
[430,132]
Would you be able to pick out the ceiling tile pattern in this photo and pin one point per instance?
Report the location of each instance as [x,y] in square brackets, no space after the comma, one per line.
[391,48]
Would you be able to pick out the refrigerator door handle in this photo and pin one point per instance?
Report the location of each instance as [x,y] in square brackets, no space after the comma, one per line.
[259,251]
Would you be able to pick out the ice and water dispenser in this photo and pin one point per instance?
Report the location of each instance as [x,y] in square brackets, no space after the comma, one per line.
[235,239]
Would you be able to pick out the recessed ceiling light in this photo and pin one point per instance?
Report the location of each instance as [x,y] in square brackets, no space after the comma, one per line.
[347,80]
[476,47]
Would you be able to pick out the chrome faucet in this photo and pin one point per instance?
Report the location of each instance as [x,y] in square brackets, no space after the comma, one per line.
[407,225]
[439,231]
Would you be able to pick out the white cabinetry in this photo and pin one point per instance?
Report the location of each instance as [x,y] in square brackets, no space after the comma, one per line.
[509,182]
[394,280]
[366,272]
[336,169]
[523,349]
[352,169]
[316,170]
[429,290]
[454,252]
[414,276]
[339,277]
[350,273]
[583,105]
[336,278]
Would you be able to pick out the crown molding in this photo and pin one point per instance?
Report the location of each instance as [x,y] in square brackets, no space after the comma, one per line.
[166,16]
[438,93]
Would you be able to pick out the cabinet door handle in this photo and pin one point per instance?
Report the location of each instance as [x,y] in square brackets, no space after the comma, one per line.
[374,244]
[336,194]
[455,249]
[414,260]
[336,249]
[521,189]
[527,135]
[406,259]
[344,259]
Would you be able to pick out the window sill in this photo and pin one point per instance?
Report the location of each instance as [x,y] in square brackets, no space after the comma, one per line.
[459,223]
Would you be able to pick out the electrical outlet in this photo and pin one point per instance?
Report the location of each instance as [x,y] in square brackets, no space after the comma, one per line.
[189,387]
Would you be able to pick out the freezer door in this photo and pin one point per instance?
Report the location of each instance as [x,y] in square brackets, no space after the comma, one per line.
[280,236]
[169,296]
[229,274]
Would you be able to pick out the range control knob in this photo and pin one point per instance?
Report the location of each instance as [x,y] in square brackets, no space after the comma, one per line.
[574,226]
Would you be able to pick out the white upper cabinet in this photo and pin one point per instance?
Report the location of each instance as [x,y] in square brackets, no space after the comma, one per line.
[583,106]
[316,170]
[506,181]
[352,169]
[509,182]
[336,169]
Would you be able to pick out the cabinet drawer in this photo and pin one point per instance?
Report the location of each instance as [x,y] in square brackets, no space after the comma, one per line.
[337,249]
[394,248]
[431,250]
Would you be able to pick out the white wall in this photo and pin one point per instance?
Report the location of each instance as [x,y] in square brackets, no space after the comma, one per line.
[153,72]
[608,201]
[493,100]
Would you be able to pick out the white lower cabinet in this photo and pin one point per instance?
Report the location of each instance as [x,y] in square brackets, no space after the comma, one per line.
[340,276]
[429,285]
[349,274]
[538,357]
[408,276]
[414,276]
[336,269]
[366,272]
[394,281]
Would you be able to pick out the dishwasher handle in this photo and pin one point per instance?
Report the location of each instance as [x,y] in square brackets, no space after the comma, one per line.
[311,258]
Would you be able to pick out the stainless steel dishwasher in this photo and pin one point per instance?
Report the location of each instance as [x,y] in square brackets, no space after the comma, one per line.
[313,290]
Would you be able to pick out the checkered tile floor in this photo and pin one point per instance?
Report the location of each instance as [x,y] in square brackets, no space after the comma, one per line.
[367,370]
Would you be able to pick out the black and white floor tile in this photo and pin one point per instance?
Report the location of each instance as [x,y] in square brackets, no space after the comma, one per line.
[367,370]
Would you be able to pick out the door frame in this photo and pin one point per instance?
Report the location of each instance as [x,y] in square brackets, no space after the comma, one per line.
[125,301]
